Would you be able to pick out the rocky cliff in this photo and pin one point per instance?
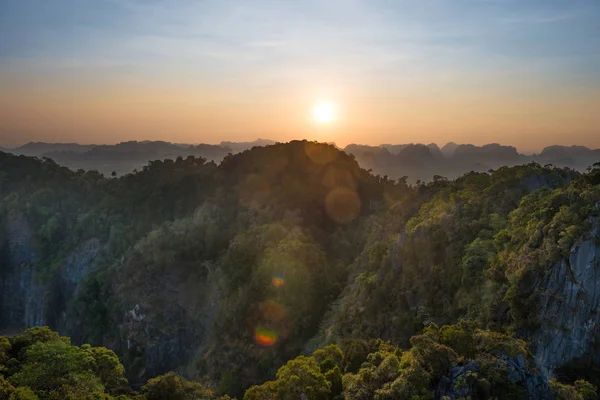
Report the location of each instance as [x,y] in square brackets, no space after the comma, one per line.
[569,312]
[27,298]
[462,380]
[21,301]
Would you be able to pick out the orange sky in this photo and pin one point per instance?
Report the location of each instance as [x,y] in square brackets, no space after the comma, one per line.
[516,73]
[120,112]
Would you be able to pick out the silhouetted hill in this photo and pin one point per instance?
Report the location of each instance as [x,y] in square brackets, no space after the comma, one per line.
[566,151]
[416,155]
[397,148]
[578,157]
[415,161]
[121,158]
[372,157]
[365,149]
[39,149]
[489,150]
[489,154]
[435,151]
[394,148]
[420,162]
[449,148]
[127,156]
[237,147]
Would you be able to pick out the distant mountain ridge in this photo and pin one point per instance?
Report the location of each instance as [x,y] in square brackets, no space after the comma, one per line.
[449,148]
[36,149]
[120,158]
[241,146]
[125,157]
[415,160]
[423,162]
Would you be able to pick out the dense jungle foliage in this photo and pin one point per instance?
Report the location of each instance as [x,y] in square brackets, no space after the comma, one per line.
[40,364]
[286,271]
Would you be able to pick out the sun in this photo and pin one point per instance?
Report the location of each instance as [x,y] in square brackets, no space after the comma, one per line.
[324,112]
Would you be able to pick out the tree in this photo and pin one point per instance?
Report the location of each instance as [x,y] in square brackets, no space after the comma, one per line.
[57,370]
[6,389]
[355,353]
[266,391]
[459,338]
[33,335]
[23,393]
[584,388]
[330,353]
[5,347]
[581,390]
[301,379]
[107,367]
[174,387]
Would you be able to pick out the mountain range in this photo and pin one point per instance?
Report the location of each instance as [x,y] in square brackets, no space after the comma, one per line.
[423,162]
[415,161]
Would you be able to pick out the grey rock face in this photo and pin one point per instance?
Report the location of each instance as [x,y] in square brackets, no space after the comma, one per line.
[460,383]
[18,278]
[25,299]
[569,308]
[536,383]
[77,264]
[66,279]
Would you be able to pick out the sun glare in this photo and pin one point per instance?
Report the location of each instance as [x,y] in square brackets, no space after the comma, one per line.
[324,112]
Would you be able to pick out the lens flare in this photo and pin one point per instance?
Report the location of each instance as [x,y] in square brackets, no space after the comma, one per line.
[265,337]
[272,311]
[278,282]
[255,190]
[342,205]
[270,322]
[339,178]
[320,153]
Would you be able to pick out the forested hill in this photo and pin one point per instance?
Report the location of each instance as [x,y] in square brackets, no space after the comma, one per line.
[225,273]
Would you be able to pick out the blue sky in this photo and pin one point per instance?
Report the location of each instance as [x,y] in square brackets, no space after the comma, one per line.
[360,52]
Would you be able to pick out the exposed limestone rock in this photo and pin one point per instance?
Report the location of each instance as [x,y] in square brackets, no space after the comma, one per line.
[461,381]
[135,314]
[535,382]
[27,300]
[569,311]
[66,279]
[458,383]
[77,263]
[17,279]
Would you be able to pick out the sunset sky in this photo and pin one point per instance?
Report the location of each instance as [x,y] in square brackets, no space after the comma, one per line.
[518,72]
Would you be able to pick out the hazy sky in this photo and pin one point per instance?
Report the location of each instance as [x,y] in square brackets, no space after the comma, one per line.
[520,72]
